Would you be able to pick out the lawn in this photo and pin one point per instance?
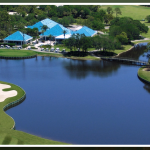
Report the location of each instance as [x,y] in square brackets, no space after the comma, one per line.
[134,11]
[125,48]
[21,53]
[144,74]
[146,35]
[16,53]
[61,47]
[9,136]
[142,41]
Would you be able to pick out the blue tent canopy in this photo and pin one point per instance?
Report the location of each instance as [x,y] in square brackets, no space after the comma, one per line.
[18,36]
[50,23]
[85,30]
[56,31]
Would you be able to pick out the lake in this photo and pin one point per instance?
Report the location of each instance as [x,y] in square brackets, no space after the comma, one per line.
[80,102]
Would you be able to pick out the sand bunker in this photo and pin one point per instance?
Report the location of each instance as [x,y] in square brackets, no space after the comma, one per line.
[6,94]
[146,69]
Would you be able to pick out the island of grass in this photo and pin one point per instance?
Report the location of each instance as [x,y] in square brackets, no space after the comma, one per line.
[16,53]
[144,74]
[10,136]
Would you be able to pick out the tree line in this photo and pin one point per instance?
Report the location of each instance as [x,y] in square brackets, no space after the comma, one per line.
[78,42]
[92,16]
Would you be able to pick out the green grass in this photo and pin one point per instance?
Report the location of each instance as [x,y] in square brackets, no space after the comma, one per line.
[16,53]
[142,41]
[144,74]
[133,11]
[49,54]
[146,35]
[45,46]
[21,53]
[61,47]
[9,136]
[84,58]
[125,48]
[146,23]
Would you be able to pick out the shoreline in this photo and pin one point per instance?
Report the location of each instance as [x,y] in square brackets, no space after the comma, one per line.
[8,123]
[143,76]
[52,54]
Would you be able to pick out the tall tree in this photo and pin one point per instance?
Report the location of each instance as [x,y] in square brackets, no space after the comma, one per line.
[24,32]
[64,32]
[36,33]
[108,18]
[118,11]
[43,29]
[110,10]
[50,37]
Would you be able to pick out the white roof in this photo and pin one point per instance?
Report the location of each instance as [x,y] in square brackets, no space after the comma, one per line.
[12,13]
[62,36]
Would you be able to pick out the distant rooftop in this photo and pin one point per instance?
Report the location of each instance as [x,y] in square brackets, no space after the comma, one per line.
[12,13]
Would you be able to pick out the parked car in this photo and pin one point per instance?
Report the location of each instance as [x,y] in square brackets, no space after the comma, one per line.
[29,48]
[42,49]
[13,47]
[2,46]
[7,46]
[19,47]
[47,49]
[57,50]
[52,49]
[63,51]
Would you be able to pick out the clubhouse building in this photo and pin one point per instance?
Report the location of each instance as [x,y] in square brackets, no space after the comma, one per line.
[54,30]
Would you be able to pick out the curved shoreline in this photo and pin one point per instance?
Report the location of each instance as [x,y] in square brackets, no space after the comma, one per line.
[7,123]
[14,103]
[142,79]
[124,52]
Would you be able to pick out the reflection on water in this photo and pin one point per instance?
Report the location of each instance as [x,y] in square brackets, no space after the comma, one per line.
[81,69]
[147,87]
[136,52]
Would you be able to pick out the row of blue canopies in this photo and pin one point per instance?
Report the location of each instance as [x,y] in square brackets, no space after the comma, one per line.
[54,29]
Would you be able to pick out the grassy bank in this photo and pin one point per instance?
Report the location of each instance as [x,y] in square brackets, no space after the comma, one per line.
[142,41]
[9,136]
[16,53]
[144,74]
[23,53]
[124,48]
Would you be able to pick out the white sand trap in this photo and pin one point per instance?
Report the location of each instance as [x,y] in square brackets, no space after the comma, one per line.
[6,94]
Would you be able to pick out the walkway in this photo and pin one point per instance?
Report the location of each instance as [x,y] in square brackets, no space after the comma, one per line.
[124,60]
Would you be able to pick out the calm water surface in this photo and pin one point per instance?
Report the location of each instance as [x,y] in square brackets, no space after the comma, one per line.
[80,102]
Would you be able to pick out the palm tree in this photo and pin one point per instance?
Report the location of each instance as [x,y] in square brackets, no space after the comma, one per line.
[64,32]
[44,28]
[50,37]
[23,31]
[36,33]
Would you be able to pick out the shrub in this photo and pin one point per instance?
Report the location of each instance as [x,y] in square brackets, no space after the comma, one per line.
[10,44]
[24,45]
[33,47]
